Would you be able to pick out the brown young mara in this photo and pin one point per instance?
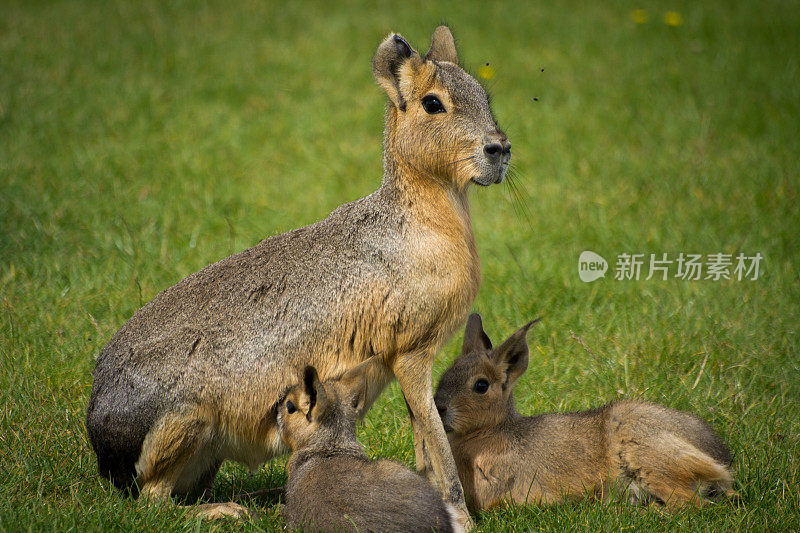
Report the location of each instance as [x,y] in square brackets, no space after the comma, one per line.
[645,451]
[333,485]
[194,377]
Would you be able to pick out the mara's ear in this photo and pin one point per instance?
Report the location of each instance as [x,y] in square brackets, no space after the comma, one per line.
[475,339]
[443,47]
[512,356]
[315,393]
[391,55]
[354,383]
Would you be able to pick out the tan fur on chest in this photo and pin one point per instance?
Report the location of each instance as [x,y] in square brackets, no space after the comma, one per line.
[442,247]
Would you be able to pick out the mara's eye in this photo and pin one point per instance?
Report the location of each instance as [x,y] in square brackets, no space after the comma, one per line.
[290,408]
[481,386]
[432,105]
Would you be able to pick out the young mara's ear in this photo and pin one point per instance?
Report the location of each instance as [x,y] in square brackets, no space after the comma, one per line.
[391,55]
[512,356]
[475,339]
[315,392]
[353,384]
[443,47]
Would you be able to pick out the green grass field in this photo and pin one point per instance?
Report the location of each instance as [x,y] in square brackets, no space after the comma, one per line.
[141,141]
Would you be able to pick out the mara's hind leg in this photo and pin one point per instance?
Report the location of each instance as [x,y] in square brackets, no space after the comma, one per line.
[179,460]
[674,471]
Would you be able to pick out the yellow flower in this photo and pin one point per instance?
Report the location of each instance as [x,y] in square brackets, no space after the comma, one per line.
[486,72]
[639,16]
[673,18]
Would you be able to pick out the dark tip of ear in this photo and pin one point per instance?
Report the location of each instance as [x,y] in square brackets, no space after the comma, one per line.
[527,326]
[523,331]
[475,320]
[310,379]
[309,375]
[443,47]
[475,338]
[402,46]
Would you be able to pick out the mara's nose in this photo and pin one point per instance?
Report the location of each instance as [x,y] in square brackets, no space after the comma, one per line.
[442,410]
[496,149]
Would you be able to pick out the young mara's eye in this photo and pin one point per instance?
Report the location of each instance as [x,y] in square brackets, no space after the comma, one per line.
[432,105]
[481,386]
[290,408]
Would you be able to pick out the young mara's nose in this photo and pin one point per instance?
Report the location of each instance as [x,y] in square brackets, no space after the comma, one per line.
[497,148]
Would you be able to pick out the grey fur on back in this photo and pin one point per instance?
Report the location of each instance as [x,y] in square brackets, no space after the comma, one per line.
[210,333]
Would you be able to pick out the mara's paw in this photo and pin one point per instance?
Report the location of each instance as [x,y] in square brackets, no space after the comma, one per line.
[215,511]
[462,521]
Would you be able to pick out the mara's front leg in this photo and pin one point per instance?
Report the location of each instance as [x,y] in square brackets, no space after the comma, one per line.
[434,457]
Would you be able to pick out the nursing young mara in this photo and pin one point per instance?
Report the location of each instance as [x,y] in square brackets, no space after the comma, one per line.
[333,485]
